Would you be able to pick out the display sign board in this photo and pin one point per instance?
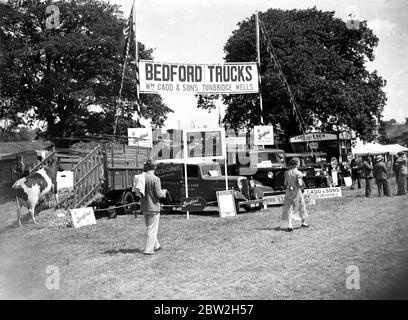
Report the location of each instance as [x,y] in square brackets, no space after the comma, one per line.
[235,143]
[185,78]
[323,193]
[83,217]
[141,137]
[226,203]
[263,135]
[204,143]
[193,204]
[314,136]
[348,182]
[273,200]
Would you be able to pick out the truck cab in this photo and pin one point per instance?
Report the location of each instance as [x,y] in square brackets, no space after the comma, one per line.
[205,178]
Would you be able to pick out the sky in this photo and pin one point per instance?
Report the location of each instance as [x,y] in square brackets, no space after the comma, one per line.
[195,31]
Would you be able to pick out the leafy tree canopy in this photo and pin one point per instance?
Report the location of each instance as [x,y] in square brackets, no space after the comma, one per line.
[324,62]
[57,74]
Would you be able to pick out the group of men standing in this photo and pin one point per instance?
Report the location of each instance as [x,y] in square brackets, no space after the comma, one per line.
[378,171]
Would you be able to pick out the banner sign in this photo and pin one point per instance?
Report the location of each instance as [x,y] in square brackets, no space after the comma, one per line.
[322,193]
[313,137]
[184,78]
[273,200]
[141,137]
[263,135]
[193,204]
[235,143]
[83,217]
[226,203]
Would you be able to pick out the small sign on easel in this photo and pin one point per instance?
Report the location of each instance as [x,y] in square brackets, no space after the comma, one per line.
[226,203]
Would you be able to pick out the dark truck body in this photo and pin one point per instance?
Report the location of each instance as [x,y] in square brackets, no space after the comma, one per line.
[313,168]
[263,167]
[204,180]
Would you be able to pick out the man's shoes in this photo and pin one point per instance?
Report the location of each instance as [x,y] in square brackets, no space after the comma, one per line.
[305,225]
[148,253]
[159,248]
[289,229]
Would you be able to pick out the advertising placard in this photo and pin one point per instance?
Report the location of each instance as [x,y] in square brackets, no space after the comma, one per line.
[322,193]
[83,217]
[263,135]
[141,137]
[187,78]
[226,203]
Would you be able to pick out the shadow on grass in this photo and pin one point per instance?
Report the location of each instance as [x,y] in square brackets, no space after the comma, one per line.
[124,251]
[277,229]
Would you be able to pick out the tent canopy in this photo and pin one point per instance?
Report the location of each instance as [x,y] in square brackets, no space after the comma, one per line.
[395,148]
[371,148]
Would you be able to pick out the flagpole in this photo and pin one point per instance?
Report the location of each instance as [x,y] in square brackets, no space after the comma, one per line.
[258,51]
[137,61]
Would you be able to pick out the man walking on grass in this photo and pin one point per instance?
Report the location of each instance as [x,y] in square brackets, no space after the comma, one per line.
[150,205]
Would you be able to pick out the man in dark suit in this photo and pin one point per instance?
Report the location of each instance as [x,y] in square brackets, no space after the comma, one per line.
[150,206]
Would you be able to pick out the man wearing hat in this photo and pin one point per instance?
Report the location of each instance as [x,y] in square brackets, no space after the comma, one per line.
[402,173]
[294,202]
[380,174]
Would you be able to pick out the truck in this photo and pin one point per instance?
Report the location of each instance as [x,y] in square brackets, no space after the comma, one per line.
[204,180]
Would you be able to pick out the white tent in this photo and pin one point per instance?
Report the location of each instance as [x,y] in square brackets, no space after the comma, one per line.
[395,148]
[370,148]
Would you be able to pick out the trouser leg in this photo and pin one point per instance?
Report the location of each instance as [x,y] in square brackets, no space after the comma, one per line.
[152,228]
[386,187]
[368,187]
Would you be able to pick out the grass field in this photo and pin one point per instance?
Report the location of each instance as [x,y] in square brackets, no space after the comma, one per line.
[205,257]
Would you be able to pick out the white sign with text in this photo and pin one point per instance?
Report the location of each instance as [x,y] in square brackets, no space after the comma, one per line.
[83,217]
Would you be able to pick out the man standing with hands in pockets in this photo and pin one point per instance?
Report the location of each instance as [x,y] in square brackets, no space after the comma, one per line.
[151,190]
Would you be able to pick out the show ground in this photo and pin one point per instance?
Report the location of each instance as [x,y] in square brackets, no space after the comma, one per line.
[355,248]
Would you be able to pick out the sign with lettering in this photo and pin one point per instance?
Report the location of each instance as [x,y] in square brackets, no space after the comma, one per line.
[226,203]
[273,200]
[184,78]
[193,204]
[141,137]
[322,193]
[83,217]
[315,136]
[263,135]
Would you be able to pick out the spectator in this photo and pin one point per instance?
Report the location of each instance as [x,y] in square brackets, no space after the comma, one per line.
[356,166]
[402,173]
[368,175]
[381,177]
[150,205]
[294,202]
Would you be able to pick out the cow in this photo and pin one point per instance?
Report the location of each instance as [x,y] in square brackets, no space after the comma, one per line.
[36,186]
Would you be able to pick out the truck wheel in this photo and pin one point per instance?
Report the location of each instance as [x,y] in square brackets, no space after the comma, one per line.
[128,198]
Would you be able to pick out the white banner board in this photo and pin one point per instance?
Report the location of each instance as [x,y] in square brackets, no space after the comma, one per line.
[263,135]
[322,193]
[226,203]
[185,78]
[141,137]
[83,217]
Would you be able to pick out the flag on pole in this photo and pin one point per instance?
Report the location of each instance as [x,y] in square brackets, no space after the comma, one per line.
[129,33]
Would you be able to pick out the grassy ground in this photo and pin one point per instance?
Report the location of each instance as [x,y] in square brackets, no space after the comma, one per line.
[205,257]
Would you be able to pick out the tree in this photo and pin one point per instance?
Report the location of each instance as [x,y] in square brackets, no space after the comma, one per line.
[325,66]
[59,73]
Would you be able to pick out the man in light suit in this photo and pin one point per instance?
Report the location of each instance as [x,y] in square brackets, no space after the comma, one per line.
[150,206]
